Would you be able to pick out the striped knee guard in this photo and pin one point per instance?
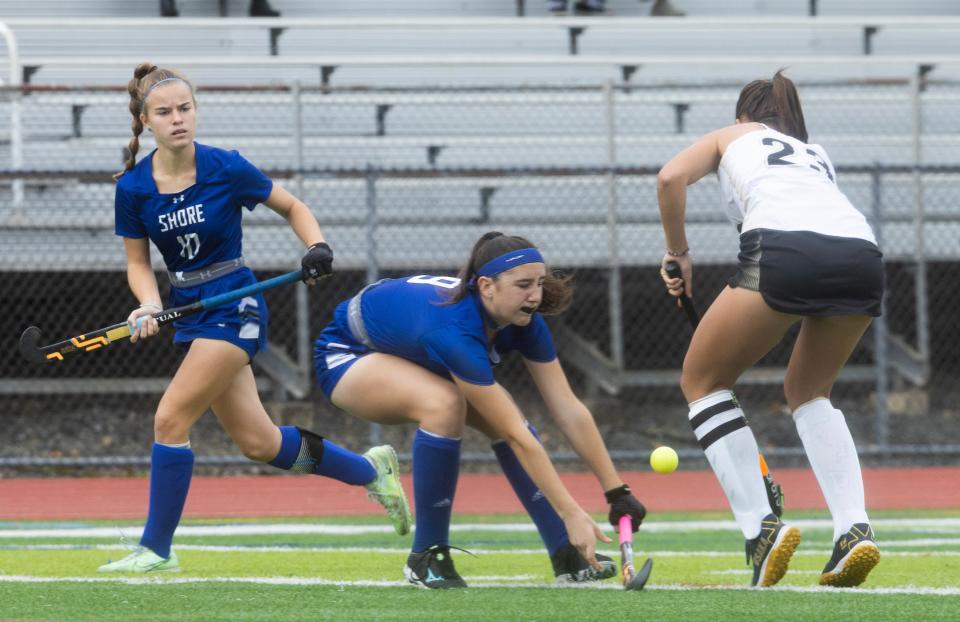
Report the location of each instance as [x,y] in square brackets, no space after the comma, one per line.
[730,447]
[714,416]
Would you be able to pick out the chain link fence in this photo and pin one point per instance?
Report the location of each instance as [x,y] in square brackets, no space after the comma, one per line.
[404,180]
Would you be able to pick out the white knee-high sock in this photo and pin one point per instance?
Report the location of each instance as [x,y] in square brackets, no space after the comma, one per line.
[833,456]
[731,448]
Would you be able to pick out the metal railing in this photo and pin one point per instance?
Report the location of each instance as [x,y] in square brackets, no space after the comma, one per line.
[900,351]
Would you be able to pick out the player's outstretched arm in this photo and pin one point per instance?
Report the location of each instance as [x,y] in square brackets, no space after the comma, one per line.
[494,405]
[574,420]
[580,429]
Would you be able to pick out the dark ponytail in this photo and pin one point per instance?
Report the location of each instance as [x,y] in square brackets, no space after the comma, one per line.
[773,102]
[145,76]
[557,287]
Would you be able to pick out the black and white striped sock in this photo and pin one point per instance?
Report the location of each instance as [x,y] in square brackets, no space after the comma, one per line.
[727,440]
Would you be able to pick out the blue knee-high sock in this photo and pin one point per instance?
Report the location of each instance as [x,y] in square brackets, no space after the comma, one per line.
[548,522]
[436,465]
[170,472]
[302,451]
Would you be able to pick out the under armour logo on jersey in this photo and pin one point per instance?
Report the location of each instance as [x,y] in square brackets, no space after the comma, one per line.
[178,199]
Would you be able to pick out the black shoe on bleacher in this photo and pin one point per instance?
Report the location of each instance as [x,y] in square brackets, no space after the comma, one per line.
[262,8]
[585,8]
[168,8]
[664,8]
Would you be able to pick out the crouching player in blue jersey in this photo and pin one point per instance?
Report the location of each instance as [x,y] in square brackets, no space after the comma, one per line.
[188,198]
[422,350]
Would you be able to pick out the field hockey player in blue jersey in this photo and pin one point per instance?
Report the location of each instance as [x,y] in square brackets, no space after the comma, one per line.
[188,198]
[422,350]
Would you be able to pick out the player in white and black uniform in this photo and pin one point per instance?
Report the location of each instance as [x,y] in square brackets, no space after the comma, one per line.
[817,254]
[806,255]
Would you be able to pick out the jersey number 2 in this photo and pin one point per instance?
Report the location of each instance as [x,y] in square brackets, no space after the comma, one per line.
[780,158]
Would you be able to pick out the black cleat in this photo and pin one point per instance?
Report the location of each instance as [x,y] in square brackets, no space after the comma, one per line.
[854,556]
[770,552]
[433,569]
[569,566]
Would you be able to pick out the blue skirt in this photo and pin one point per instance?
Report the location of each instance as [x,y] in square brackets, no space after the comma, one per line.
[335,351]
[242,322]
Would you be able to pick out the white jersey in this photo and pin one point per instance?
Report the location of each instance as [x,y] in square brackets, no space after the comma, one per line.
[769,180]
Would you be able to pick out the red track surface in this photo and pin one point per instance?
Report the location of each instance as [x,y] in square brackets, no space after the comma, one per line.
[212,497]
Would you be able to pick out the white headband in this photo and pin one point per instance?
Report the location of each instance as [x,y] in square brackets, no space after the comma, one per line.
[159,82]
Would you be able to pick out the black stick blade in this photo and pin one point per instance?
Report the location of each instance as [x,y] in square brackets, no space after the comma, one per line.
[640,578]
[29,348]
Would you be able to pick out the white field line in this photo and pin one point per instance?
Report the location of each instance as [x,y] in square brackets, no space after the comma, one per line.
[819,589]
[308,581]
[748,571]
[245,529]
[494,578]
[884,542]
[215,548]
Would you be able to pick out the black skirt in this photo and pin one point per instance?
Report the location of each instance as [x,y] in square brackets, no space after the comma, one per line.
[807,273]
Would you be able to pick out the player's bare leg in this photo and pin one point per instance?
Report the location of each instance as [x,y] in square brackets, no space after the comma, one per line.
[243,416]
[206,371]
[391,390]
[735,333]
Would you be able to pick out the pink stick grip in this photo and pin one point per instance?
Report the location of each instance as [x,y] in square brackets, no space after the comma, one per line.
[626,529]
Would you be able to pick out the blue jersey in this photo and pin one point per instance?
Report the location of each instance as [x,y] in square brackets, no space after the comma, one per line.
[199,225]
[410,318]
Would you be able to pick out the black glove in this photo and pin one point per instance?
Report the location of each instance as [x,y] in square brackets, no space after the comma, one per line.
[623,503]
[317,262]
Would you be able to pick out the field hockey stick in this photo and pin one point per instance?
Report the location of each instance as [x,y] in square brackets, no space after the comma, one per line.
[632,580]
[774,490]
[103,337]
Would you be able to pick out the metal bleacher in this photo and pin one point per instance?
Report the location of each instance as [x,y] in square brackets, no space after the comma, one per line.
[406,129]
[677,87]
[467,117]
